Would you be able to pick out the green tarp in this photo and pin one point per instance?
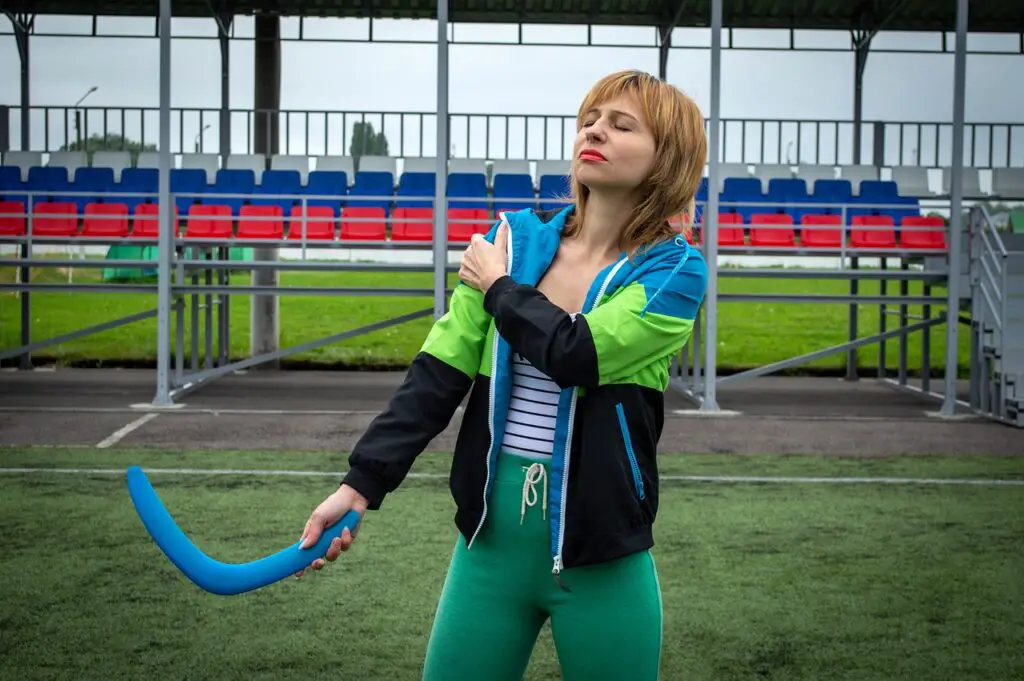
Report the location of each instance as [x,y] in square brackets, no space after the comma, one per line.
[136,274]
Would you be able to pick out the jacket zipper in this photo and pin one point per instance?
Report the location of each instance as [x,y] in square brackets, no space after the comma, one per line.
[638,480]
[490,405]
[558,566]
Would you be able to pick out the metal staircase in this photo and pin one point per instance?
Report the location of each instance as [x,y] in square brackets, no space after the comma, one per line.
[997,320]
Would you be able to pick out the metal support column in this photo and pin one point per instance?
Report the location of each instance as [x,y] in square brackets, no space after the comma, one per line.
[23,25]
[956,211]
[441,183]
[166,230]
[710,403]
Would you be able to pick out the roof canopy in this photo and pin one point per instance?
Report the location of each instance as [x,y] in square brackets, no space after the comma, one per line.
[1001,16]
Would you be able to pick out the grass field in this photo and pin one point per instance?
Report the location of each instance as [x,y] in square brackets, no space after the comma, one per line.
[794,581]
[750,334]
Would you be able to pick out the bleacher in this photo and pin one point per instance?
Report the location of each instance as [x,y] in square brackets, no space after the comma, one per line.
[389,199]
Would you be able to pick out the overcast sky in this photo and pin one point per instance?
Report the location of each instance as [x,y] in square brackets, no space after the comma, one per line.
[357,77]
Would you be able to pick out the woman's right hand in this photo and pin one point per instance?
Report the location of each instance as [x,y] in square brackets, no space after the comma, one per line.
[325,515]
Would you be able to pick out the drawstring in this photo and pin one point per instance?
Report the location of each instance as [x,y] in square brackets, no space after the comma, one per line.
[680,241]
[534,474]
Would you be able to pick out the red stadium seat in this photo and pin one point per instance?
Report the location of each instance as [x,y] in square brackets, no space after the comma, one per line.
[412,224]
[105,220]
[319,223]
[208,222]
[916,237]
[873,231]
[772,230]
[54,218]
[12,225]
[260,222]
[821,231]
[363,223]
[728,233]
[146,224]
[463,223]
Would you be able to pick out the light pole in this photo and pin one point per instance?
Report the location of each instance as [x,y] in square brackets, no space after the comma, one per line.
[78,116]
[199,136]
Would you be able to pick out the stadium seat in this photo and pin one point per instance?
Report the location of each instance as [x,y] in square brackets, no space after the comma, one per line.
[463,223]
[146,222]
[378,185]
[327,189]
[105,220]
[187,181]
[278,183]
[209,221]
[12,218]
[788,196]
[363,223]
[821,231]
[96,182]
[554,188]
[468,190]
[513,186]
[829,192]
[319,222]
[11,185]
[415,189]
[54,218]
[232,181]
[873,231]
[261,222]
[745,194]
[774,230]
[415,223]
[730,230]
[117,161]
[142,183]
[916,237]
[48,184]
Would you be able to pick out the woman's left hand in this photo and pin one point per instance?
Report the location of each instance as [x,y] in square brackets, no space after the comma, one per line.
[483,262]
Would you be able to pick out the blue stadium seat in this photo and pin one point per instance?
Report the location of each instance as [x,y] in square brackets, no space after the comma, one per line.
[51,181]
[96,181]
[746,193]
[789,194]
[139,180]
[553,187]
[372,183]
[190,181]
[11,185]
[232,181]
[414,184]
[829,191]
[279,182]
[465,187]
[326,183]
[509,186]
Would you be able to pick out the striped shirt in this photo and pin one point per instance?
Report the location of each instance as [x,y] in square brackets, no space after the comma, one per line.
[532,411]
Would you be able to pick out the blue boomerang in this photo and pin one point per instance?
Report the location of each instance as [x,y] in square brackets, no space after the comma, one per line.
[224,579]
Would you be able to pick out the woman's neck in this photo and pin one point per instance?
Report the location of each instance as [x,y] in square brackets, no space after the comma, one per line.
[607,217]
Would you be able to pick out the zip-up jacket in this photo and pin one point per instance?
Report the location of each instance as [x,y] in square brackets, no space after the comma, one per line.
[612,364]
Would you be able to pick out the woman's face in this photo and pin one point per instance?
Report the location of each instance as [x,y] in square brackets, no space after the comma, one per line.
[614,149]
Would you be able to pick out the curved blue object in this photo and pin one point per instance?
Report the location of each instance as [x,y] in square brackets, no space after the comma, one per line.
[224,579]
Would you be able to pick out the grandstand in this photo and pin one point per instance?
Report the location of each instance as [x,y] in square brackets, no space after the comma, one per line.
[850,212]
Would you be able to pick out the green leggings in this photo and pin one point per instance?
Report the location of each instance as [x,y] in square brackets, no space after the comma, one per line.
[498,595]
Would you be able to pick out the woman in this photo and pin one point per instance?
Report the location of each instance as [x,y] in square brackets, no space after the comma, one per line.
[561,332]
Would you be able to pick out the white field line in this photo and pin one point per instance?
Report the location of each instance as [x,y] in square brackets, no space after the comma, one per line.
[118,434]
[815,480]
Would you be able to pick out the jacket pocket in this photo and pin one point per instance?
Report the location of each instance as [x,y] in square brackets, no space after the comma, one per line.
[638,481]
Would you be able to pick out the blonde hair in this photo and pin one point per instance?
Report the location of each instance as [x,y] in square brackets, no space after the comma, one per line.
[680,151]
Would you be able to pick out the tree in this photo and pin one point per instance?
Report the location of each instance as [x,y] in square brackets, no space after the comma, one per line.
[111,141]
[366,142]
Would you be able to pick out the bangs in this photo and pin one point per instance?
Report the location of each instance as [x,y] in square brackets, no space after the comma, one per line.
[641,86]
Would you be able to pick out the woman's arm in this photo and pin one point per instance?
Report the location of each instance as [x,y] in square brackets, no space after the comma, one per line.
[649,319]
[438,379]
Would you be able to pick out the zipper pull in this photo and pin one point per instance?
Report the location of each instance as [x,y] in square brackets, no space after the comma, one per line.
[556,571]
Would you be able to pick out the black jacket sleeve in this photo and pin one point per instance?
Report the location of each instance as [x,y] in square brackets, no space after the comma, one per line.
[543,333]
[420,409]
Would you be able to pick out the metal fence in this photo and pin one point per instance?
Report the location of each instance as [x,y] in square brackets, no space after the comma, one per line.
[497,136]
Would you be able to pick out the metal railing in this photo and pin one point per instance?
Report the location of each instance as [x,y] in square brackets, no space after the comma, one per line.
[512,136]
[990,288]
